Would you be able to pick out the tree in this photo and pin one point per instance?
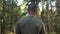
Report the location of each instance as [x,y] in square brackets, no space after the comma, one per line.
[3,18]
[57,22]
[10,15]
[0,14]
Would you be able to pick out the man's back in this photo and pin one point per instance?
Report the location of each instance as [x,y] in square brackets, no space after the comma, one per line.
[30,25]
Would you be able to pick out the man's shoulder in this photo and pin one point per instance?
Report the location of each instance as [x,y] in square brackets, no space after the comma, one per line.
[22,19]
[39,20]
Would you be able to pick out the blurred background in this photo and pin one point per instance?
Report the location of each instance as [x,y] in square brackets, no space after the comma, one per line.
[12,10]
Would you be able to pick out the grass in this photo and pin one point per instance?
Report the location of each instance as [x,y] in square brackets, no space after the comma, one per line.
[51,32]
[8,32]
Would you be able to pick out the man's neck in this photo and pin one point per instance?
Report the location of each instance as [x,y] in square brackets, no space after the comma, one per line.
[31,14]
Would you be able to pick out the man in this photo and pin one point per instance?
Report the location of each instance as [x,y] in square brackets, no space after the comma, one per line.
[30,24]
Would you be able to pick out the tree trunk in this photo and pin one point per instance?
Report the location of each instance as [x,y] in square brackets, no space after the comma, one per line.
[58,6]
[42,13]
[3,18]
[58,15]
[47,16]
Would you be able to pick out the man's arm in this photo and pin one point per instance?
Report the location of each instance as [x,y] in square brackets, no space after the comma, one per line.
[18,29]
[42,31]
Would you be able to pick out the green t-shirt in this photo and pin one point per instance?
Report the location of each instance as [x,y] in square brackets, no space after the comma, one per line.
[30,25]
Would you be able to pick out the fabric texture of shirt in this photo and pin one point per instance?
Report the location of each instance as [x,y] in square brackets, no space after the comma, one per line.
[30,25]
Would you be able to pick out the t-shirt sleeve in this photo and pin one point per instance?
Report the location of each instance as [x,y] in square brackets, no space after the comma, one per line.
[18,29]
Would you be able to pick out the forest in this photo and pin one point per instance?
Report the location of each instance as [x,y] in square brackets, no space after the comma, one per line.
[12,10]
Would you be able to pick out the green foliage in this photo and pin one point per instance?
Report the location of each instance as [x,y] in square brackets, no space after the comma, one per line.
[0,14]
[13,13]
[33,1]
